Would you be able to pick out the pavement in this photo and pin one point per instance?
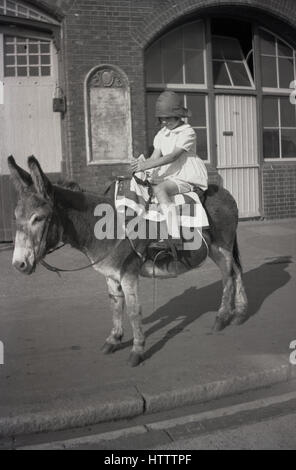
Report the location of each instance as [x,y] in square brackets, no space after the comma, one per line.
[55,376]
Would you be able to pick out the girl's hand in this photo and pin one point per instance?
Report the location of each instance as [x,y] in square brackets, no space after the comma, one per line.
[137,166]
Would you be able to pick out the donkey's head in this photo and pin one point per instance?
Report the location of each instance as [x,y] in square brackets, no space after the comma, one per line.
[37,229]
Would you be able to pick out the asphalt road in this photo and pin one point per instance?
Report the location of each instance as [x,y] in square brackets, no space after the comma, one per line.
[55,376]
[272,434]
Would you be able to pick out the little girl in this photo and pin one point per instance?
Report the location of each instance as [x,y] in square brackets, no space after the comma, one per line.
[176,167]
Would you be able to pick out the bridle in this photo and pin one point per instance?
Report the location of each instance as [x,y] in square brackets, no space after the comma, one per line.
[49,267]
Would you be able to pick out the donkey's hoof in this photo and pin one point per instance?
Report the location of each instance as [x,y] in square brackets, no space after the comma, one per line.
[135,359]
[220,324]
[109,348]
[239,320]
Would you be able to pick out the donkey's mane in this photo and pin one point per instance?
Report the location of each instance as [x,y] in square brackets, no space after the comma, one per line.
[70,194]
[70,184]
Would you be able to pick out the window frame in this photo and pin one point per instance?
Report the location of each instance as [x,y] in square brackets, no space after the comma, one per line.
[187,88]
[224,61]
[207,127]
[276,92]
[39,41]
[180,86]
[280,158]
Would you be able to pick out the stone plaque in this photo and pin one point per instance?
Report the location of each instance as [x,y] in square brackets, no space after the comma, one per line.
[109,116]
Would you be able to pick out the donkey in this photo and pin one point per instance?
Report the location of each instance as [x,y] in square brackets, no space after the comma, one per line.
[47,215]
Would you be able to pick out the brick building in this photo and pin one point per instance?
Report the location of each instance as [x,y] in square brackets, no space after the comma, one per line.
[106,62]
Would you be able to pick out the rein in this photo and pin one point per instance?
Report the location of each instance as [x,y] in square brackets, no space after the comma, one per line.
[149,187]
[60,270]
[56,270]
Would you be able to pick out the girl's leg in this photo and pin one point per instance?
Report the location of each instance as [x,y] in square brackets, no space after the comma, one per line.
[164,192]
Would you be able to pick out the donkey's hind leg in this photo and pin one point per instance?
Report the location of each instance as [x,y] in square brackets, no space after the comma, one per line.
[240,299]
[224,260]
[117,305]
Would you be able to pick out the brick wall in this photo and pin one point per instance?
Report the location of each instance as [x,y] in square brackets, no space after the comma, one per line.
[117,32]
[279,190]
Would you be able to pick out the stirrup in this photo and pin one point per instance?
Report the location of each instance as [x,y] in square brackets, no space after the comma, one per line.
[170,244]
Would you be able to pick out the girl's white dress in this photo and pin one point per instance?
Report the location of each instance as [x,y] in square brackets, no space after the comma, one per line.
[188,168]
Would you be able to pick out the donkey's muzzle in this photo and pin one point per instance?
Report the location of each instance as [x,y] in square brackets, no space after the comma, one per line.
[23,266]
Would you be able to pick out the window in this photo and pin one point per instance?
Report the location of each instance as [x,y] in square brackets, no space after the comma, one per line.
[177,61]
[230,68]
[279,123]
[279,115]
[277,62]
[199,119]
[24,57]
[178,58]
[197,104]
[13,8]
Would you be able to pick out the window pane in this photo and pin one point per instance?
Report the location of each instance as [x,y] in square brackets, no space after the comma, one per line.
[267,43]
[201,143]
[9,60]
[34,71]
[226,48]
[286,72]
[284,50]
[33,59]
[22,60]
[197,106]
[45,48]
[22,71]
[173,40]
[33,49]
[153,64]
[193,34]
[45,59]
[217,49]
[9,72]
[45,71]
[270,112]
[271,144]
[220,74]
[173,66]
[21,49]
[152,121]
[194,67]
[288,113]
[268,69]
[289,143]
[9,49]
[238,74]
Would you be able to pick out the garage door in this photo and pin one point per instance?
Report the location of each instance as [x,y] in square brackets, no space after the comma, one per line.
[28,125]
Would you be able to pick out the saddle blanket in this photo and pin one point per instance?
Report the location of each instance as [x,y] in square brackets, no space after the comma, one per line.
[133,196]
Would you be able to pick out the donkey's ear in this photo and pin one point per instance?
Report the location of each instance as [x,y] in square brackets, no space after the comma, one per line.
[20,178]
[42,184]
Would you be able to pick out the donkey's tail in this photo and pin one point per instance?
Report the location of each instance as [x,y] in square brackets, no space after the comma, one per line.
[236,255]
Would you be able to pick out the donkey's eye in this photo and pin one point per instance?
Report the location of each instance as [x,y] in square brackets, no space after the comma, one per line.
[38,219]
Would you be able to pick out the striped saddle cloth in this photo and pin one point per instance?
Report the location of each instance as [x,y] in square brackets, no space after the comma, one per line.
[134,195]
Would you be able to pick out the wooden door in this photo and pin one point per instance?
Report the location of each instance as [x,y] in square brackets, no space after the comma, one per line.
[238,151]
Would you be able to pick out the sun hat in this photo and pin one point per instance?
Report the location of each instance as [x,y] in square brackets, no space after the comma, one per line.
[169,104]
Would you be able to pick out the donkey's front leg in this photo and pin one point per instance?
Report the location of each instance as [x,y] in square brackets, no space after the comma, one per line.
[117,305]
[130,285]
